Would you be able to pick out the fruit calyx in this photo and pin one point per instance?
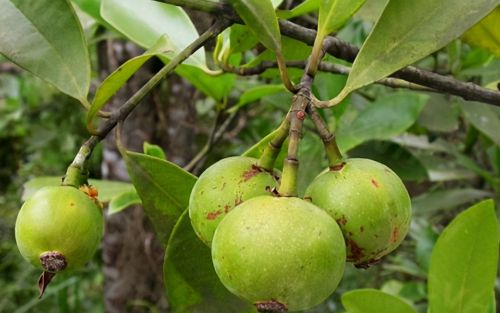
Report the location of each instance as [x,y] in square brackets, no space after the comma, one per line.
[52,262]
[272,306]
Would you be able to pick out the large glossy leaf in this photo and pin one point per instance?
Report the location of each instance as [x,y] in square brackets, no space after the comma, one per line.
[107,189]
[145,21]
[259,15]
[334,13]
[374,301]
[93,9]
[45,38]
[410,30]
[163,187]
[486,33]
[464,262]
[388,116]
[190,279]
[484,118]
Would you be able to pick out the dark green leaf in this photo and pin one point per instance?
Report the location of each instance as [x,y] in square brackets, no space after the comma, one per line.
[190,279]
[388,116]
[374,301]
[123,201]
[260,17]
[464,262]
[163,187]
[153,150]
[55,52]
[410,30]
[216,87]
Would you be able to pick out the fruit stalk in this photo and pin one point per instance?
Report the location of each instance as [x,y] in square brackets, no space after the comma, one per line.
[288,186]
[332,150]
[273,148]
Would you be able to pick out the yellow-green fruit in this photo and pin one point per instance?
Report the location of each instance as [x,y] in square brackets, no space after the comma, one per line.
[223,186]
[371,205]
[279,253]
[58,221]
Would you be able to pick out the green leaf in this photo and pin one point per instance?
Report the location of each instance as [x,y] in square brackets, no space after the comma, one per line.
[255,93]
[301,9]
[464,262]
[93,9]
[440,114]
[153,150]
[107,189]
[443,200]
[374,301]
[45,38]
[163,187]
[190,279]
[485,34]
[407,31]
[260,17]
[123,201]
[484,118]
[388,116]
[145,21]
[121,75]
[334,13]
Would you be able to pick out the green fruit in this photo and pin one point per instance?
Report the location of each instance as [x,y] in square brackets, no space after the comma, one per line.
[279,252]
[223,186]
[371,205]
[58,228]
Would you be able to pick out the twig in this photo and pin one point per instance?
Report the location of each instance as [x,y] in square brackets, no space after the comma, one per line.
[119,115]
[345,51]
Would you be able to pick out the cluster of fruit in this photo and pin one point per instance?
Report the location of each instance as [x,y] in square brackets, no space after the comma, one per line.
[287,253]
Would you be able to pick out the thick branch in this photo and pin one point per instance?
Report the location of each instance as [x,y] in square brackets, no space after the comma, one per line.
[345,51]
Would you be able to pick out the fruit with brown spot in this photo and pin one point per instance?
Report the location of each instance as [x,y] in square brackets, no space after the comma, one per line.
[223,186]
[59,228]
[372,203]
[279,252]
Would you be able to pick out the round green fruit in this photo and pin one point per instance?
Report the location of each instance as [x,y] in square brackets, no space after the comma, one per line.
[279,253]
[223,186]
[58,228]
[369,202]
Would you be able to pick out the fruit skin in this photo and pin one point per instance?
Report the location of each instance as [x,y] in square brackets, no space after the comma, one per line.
[281,249]
[223,186]
[369,202]
[59,219]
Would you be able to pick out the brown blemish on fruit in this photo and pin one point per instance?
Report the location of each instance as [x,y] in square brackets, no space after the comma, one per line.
[254,170]
[375,183]
[394,235]
[53,261]
[310,199]
[342,220]
[337,167]
[356,252]
[72,204]
[213,215]
[227,208]
[271,306]
[361,229]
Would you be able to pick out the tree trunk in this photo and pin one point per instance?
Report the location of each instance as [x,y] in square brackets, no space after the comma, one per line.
[132,255]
